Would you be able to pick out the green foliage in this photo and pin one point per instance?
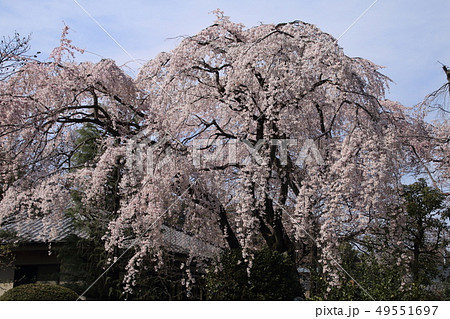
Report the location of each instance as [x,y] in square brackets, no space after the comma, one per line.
[8,241]
[83,258]
[273,276]
[87,145]
[426,242]
[427,230]
[82,262]
[372,276]
[6,256]
[39,292]
[423,200]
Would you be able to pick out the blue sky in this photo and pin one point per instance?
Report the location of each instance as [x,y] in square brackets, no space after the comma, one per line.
[407,37]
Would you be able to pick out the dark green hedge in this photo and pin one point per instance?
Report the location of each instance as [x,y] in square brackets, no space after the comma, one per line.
[39,292]
[273,276]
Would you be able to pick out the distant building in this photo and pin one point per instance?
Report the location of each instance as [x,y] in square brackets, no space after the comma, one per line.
[31,259]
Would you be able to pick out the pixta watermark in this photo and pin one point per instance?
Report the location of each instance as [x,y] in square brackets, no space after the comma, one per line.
[149,153]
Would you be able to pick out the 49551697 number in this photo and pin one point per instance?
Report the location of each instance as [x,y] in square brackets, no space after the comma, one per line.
[406,310]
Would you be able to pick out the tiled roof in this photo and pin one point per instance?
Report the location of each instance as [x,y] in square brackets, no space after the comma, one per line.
[181,242]
[37,230]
